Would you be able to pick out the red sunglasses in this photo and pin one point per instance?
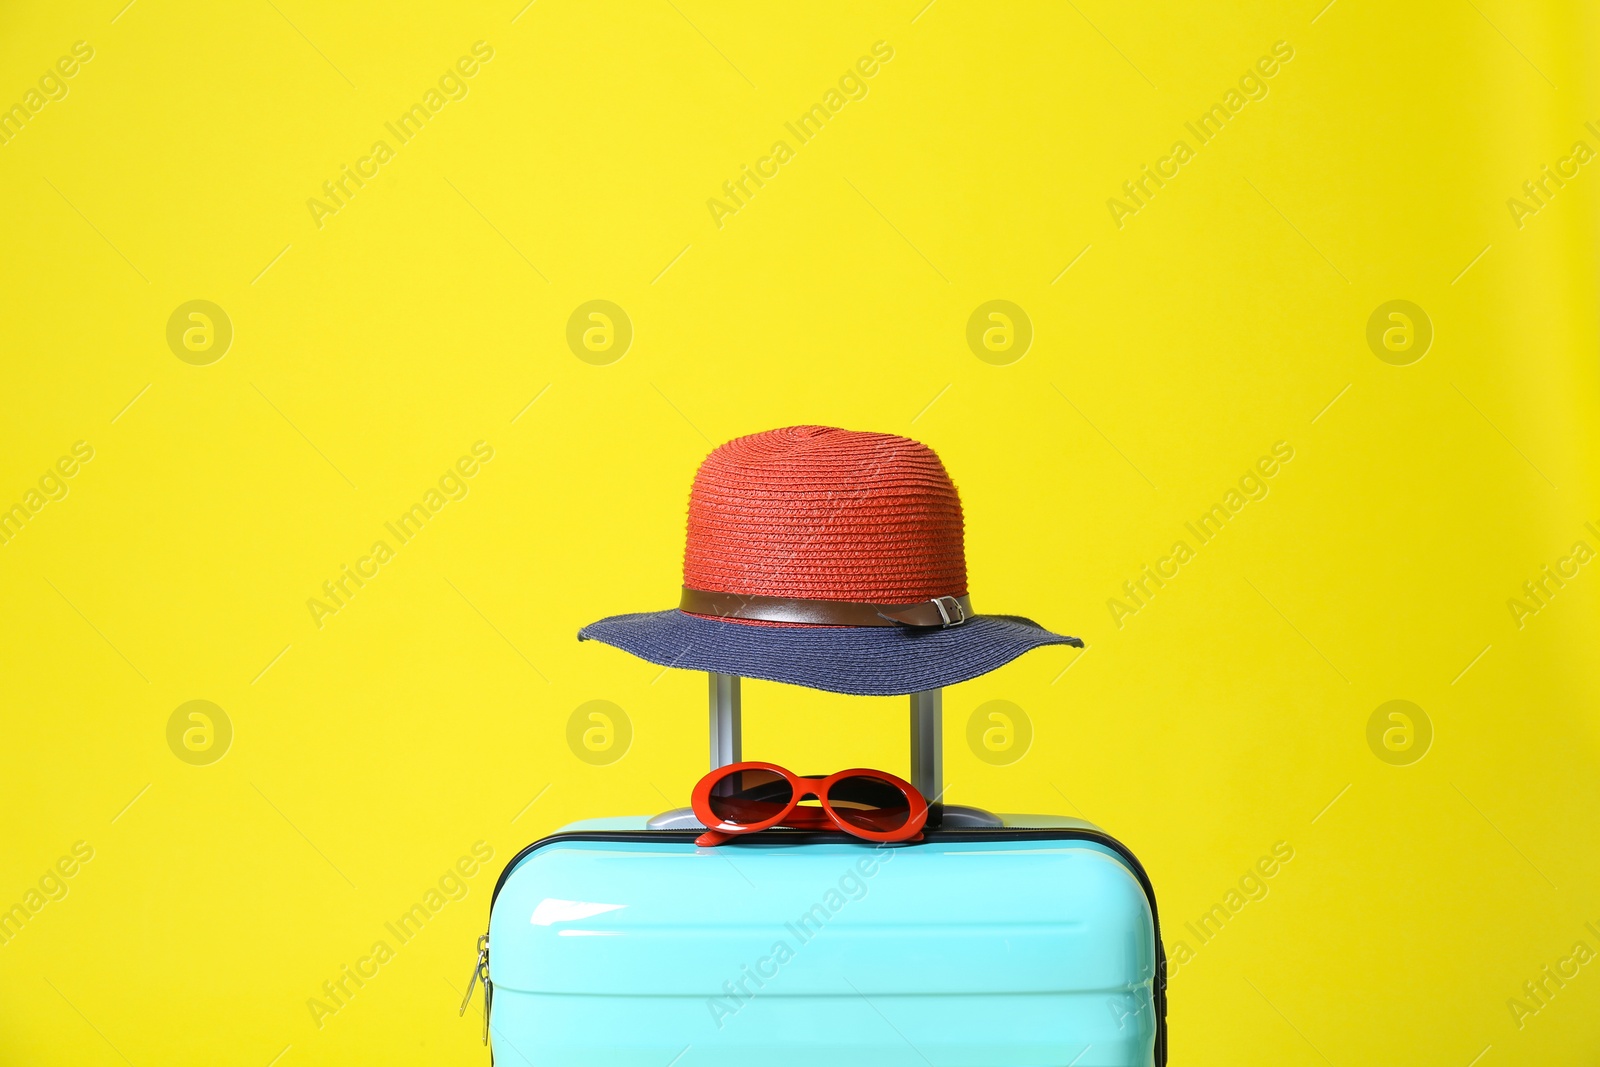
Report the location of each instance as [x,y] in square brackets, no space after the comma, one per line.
[743,798]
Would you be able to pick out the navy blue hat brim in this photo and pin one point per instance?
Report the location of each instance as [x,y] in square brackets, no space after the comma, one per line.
[858,660]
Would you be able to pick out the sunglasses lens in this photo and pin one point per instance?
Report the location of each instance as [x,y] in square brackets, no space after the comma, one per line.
[749,797]
[869,804]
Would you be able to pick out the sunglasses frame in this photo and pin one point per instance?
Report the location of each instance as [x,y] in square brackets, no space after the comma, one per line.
[801,788]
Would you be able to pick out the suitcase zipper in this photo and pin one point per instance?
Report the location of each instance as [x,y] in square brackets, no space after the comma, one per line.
[480,972]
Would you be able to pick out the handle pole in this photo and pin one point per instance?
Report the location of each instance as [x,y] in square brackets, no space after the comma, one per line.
[927,744]
[727,726]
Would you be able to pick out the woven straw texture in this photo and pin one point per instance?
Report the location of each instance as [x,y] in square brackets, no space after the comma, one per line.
[825,514]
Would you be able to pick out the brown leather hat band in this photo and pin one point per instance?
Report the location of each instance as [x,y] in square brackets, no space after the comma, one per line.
[940,612]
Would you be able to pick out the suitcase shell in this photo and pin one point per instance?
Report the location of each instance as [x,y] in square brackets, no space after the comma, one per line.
[618,946]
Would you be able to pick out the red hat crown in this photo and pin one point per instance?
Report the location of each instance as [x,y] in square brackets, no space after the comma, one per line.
[821,513]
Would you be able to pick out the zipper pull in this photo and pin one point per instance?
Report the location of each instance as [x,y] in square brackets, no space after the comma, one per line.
[480,968]
[488,998]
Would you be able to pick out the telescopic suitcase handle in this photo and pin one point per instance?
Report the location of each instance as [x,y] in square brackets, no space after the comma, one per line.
[927,733]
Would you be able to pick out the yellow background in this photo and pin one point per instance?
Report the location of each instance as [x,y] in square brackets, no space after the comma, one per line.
[1227,715]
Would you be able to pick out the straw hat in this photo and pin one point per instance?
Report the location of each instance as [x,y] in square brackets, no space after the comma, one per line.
[826,558]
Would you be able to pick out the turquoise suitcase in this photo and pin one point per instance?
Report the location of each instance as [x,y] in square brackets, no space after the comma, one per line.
[995,942]
[1002,947]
